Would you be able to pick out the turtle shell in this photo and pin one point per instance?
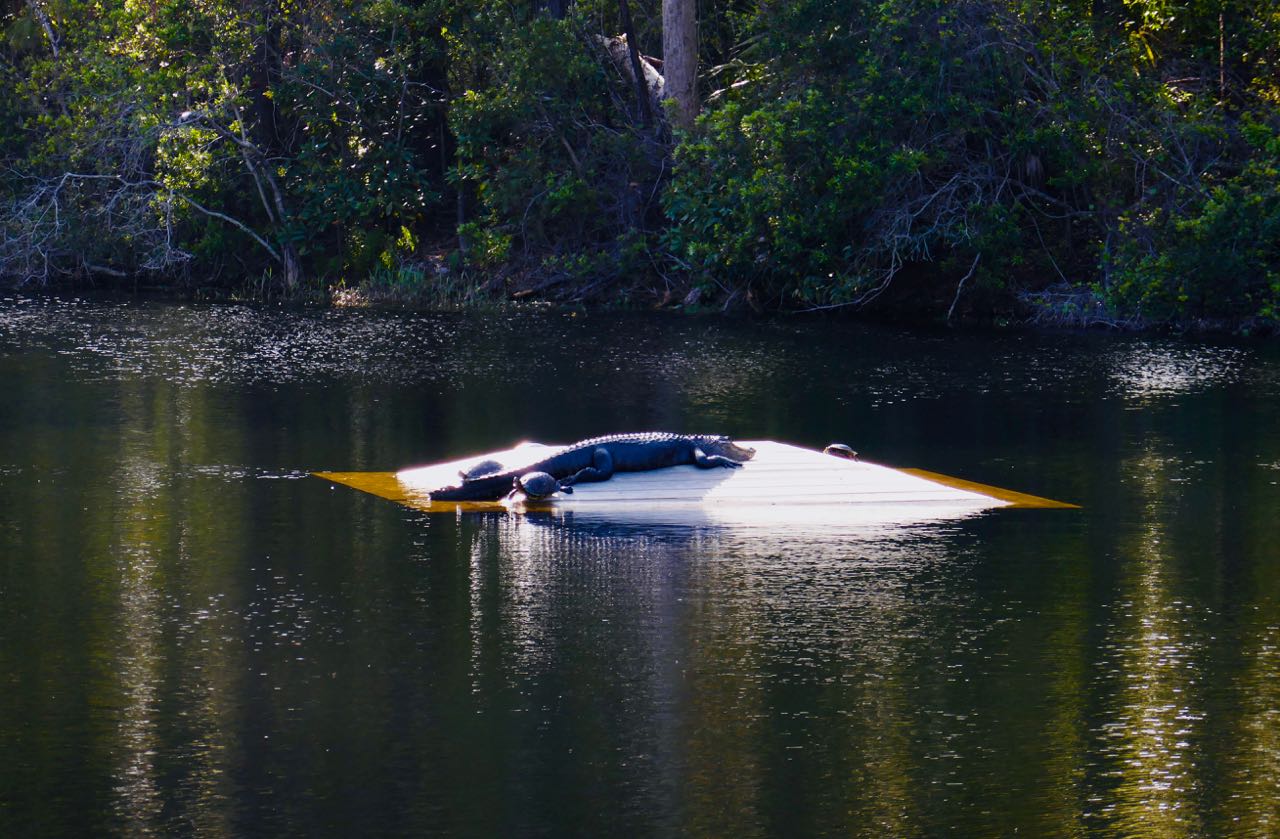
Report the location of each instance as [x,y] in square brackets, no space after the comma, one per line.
[840,450]
[481,469]
[538,485]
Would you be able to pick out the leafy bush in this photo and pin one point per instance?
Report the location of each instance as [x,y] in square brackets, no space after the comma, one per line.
[1093,160]
[559,177]
[1218,257]
[821,186]
[905,148]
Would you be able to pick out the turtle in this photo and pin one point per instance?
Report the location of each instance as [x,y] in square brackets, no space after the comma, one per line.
[480,470]
[535,486]
[840,450]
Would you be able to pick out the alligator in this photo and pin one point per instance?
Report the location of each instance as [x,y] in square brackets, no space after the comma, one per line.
[599,458]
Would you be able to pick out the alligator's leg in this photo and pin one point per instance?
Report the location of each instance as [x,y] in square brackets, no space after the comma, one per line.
[708,461]
[601,469]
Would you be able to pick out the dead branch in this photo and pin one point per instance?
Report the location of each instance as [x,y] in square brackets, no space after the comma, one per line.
[960,286]
[38,12]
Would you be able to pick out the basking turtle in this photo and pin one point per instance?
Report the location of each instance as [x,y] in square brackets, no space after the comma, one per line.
[840,450]
[480,470]
[536,486]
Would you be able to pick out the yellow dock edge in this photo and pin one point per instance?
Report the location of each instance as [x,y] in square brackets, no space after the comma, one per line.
[1015,499]
[387,485]
[383,484]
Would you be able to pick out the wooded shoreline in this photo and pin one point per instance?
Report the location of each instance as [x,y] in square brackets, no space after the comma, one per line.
[1087,163]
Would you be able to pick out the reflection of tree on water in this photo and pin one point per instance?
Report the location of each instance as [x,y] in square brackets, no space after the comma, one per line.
[1150,735]
[1186,740]
[166,651]
[1253,765]
[1245,731]
[137,648]
[1186,743]
[731,664]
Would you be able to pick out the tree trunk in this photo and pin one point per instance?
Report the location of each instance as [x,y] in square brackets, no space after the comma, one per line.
[680,59]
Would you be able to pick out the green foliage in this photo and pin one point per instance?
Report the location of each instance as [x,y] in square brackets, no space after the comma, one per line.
[819,185]
[1112,159]
[1215,259]
[367,108]
[897,150]
[560,181]
[254,135]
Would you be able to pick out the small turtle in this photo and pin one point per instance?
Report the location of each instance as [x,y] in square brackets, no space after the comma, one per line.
[482,469]
[536,485]
[840,450]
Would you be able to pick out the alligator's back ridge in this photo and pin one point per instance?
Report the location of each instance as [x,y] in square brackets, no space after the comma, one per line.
[598,458]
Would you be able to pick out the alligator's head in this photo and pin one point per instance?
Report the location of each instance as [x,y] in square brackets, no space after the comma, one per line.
[727,448]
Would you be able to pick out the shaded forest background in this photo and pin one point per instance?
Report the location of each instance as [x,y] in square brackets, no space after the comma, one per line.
[1081,161]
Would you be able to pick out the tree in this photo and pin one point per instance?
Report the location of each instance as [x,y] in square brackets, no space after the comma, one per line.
[680,59]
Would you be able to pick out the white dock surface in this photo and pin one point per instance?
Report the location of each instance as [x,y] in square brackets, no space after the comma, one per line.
[786,493]
[779,475]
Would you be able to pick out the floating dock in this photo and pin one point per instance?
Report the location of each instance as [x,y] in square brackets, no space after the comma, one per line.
[782,482]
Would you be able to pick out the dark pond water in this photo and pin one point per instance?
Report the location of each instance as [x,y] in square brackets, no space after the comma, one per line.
[196,638]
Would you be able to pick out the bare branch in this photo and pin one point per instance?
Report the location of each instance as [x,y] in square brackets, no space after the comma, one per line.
[960,286]
[45,23]
[239,225]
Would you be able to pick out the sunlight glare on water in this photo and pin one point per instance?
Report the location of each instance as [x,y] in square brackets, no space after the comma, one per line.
[1145,370]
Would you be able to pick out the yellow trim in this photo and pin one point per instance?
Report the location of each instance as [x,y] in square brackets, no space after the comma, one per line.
[387,485]
[1017,499]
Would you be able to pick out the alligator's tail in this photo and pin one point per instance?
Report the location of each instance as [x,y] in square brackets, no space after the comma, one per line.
[488,488]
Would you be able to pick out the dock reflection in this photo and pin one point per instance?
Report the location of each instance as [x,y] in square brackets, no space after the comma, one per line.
[724,657]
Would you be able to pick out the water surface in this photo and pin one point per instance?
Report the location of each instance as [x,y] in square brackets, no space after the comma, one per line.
[198,638]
